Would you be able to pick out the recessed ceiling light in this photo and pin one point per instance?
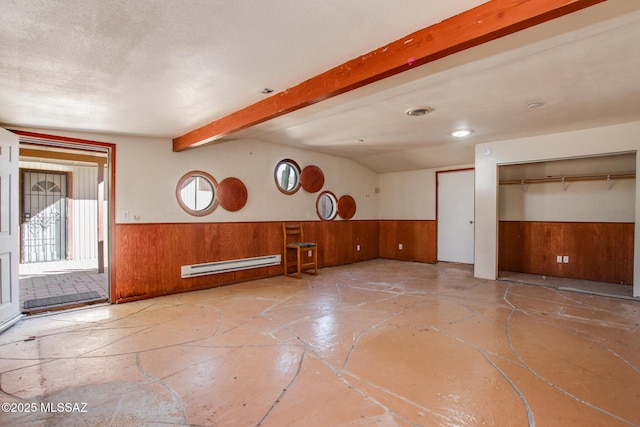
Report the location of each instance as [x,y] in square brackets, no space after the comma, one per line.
[266,90]
[461,133]
[418,111]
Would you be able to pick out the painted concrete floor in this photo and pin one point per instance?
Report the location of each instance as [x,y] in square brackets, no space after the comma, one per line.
[378,343]
[615,290]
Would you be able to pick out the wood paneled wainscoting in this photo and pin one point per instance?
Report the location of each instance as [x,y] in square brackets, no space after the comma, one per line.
[149,256]
[595,250]
[417,237]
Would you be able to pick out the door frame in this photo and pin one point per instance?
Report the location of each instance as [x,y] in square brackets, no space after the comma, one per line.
[57,141]
[471,168]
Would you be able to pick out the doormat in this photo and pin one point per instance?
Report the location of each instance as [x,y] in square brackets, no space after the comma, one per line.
[92,296]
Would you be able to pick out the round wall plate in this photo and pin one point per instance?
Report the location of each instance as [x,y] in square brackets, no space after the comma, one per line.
[346,207]
[312,179]
[232,194]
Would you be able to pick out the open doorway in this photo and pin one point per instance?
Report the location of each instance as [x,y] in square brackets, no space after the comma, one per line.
[569,223]
[64,205]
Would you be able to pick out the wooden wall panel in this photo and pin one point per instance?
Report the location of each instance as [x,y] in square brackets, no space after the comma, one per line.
[367,235]
[149,256]
[418,239]
[599,251]
[596,251]
[542,243]
[511,246]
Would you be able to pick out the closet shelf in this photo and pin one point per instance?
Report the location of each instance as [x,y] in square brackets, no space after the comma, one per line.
[601,177]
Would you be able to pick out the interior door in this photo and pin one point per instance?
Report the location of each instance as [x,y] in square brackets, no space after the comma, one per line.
[456,195]
[9,229]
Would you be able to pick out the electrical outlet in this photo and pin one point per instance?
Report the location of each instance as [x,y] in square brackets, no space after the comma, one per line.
[565,259]
[559,259]
[400,246]
[309,253]
[357,247]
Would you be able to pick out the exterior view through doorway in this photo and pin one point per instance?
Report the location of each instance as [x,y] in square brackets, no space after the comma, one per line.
[65,200]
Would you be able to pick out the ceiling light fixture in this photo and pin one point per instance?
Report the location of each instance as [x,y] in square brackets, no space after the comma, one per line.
[461,133]
[535,105]
[267,90]
[418,111]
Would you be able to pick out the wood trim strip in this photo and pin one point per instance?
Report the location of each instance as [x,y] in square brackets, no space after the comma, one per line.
[489,21]
[57,155]
[26,136]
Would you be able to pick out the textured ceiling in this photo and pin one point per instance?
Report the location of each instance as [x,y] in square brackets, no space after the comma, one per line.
[164,68]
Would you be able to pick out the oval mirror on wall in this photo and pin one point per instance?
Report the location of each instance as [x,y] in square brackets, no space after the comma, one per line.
[196,193]
[287,176]
[327,206]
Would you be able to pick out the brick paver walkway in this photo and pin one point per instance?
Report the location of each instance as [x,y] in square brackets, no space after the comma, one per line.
[51,279]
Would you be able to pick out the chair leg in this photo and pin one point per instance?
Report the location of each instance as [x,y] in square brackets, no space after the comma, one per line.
[315,261]
[299,259]
[286,266]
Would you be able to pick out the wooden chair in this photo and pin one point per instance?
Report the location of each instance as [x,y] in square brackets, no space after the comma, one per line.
[294,241]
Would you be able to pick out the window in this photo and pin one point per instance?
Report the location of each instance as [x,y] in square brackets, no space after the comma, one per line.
[327,206]
[287,176]
[196,193]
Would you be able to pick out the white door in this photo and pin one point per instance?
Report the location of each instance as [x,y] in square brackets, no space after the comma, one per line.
[456,191]
[9,229]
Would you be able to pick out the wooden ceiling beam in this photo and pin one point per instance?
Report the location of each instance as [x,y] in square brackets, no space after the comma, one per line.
[489,21]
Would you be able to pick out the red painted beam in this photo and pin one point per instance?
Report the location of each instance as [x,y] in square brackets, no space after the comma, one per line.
[489,21]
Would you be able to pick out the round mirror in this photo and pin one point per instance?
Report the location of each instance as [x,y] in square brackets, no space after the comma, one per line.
[327,206]
[196,193]
[287,176]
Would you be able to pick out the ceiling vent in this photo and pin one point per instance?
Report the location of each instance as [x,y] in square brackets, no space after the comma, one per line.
[418,111]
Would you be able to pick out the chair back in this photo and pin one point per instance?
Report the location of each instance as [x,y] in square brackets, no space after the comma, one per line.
[292,233]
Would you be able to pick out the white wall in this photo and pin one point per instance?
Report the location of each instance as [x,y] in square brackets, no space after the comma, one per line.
[586,201]
[596,141]
[147,189]
[410,195]
[147,172]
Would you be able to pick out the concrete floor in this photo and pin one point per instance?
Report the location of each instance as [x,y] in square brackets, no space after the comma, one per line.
[614,290]
[384,343]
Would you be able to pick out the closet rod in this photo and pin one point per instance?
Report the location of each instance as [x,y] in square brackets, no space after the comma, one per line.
[604,177]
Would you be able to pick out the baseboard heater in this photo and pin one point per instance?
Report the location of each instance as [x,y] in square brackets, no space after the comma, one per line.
[196,270]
